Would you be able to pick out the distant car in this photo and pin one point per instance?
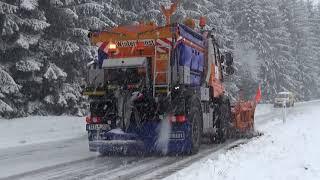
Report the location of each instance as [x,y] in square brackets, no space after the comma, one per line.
[284,98]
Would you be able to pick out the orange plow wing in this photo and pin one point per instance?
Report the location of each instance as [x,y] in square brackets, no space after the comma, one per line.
[243,116]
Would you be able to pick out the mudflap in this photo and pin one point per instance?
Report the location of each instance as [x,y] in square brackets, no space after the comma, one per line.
[151,138]
[180,140]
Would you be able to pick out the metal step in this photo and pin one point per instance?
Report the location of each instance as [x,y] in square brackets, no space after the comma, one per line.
[161,72]
[161,85]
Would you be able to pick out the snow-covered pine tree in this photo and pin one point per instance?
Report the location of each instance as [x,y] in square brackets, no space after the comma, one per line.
[8,90]
[44,46]
[316,44]
[251,21]
[67,49]
[312,61]
[278,65]
[298,21]
[280,33]
[21,26]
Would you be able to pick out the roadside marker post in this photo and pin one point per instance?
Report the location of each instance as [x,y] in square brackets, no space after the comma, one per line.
[284,112]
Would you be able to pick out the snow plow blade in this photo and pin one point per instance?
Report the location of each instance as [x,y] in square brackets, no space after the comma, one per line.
[243,120]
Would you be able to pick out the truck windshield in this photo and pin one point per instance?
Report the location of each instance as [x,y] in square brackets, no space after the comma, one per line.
[123,76]
[282,95]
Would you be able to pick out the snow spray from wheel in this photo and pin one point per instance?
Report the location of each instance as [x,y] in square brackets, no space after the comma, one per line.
[164,130]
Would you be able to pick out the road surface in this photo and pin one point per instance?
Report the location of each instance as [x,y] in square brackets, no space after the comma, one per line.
[70,159]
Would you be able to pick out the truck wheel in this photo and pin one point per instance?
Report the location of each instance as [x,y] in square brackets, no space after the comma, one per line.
[195,119]
[223,118]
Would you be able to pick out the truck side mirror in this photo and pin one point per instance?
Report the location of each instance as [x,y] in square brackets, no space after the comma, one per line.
[229,59]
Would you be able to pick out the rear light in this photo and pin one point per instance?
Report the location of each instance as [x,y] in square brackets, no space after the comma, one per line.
[172,118]
[93,120]
[88,120]
[131,86]
[179,118]
[96,120]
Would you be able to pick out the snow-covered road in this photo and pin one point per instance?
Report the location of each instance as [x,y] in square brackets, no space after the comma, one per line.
[39,129]
[34,157]
[287,150]
[70,159]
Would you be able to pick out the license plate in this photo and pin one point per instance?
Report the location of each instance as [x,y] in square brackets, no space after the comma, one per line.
[97,127]
[177,135]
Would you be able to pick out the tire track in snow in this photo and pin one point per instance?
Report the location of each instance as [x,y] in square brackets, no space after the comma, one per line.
[79,169]
[165,171]
[114,167]
[30,173]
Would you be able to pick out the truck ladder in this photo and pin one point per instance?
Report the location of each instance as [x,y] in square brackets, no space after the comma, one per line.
[167,72]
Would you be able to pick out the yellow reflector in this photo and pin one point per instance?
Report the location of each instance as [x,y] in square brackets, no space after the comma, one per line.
[94,93]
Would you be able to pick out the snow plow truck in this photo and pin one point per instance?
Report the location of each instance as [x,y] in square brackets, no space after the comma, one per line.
[159,89]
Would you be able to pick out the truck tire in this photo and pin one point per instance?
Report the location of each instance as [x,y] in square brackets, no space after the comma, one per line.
[194,116]
[223,119]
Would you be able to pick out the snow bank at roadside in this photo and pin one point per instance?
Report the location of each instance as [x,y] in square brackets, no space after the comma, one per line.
[38,129]
[286,151]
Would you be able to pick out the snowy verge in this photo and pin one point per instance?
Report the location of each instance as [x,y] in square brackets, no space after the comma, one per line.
[39,129]
[263,109]
[286,151]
